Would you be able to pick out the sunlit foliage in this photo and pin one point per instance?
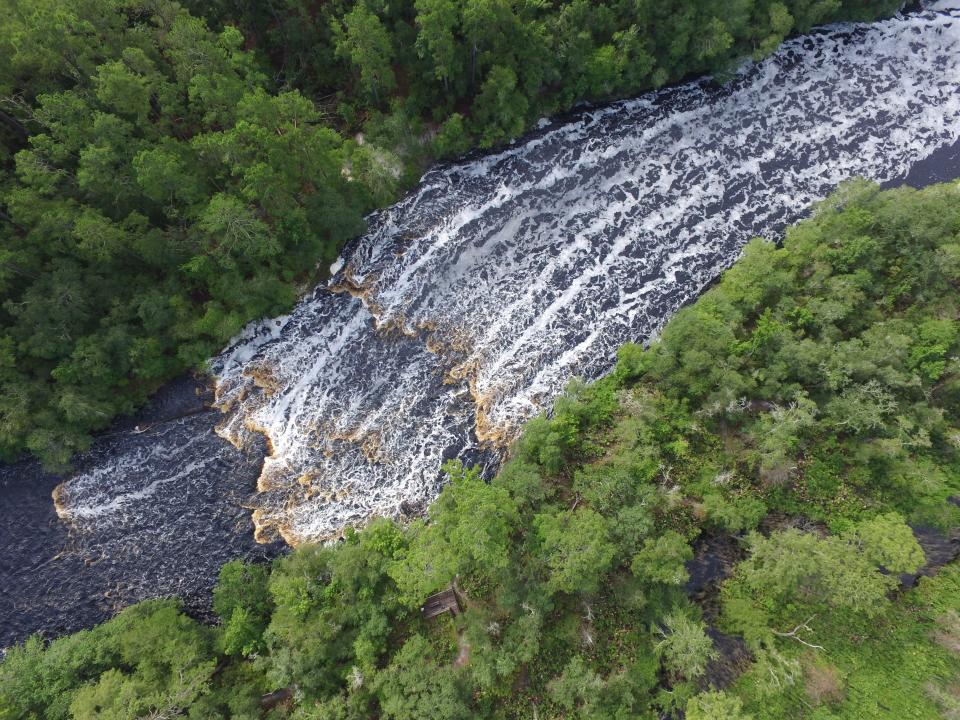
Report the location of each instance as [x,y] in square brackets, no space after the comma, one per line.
[825,421]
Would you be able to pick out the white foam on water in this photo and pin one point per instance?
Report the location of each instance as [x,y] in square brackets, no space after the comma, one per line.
[484,291]
[114,492]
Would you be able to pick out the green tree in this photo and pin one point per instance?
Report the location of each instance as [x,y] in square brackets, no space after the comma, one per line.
[935,339]
[365,42]
[243,602]
[793,573]
[716,705]
[887,541]
[452,138]
[438,21]
[684,646]
[469,534]
[663,559]
[158,161]
[576,549]
[413,686]
[500,109]
[576,686]
[149,659]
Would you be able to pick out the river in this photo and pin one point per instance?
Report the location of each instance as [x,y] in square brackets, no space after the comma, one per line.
[464,310]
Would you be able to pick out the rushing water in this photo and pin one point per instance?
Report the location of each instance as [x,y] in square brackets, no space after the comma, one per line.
[59,582]
[466,307]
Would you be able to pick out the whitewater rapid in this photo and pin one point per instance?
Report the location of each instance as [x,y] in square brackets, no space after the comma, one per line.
[467,306]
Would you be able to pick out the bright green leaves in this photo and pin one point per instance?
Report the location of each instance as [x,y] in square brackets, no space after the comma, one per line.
[684,647]
[452,138]
[631,362]
[734,514]
[716,705]
[780,24]
[887,541]
[553,443]
[150,659]
[165,175]
[365,42]
[244,604]
[501,108]
[35,169]
[288,167]
[335,609]
[172,663]
[122,91]
[935,339]
[714,41]
[795,573]
[840,334]
[234,231]
[576,548]
[547,443]
[158,161]
[780,434]
[437,21]
[470,535]
[663,559]
[862,407]
[577,686]
[694,351]
[415,686]
[98,238]
[758,278]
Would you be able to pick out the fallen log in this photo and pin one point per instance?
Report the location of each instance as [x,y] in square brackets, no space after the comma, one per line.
[271,700]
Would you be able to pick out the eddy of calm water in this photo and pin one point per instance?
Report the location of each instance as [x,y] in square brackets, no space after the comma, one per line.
[466,307]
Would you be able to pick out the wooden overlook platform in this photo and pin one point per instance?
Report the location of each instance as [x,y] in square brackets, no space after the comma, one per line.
[439,603]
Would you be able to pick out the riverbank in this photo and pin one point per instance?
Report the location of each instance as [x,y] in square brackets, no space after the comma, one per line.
[477,297]
[57,579]
[816,379]
[143,499]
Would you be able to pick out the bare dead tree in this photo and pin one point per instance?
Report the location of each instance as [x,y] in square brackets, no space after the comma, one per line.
[589,612]
[795,633]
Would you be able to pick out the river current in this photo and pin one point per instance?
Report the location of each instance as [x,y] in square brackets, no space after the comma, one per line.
[464,310]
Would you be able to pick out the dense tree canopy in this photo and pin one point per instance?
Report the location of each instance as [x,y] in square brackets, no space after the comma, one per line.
[162,183]
[573,565]
[167,176]
[157,197]
[504,63]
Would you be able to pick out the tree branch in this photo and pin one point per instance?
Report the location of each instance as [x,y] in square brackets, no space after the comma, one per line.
[794,633]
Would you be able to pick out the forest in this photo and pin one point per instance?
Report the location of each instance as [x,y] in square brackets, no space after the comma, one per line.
[170,172]
[804,414]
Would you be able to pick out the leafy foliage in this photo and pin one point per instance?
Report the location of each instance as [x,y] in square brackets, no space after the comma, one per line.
[150,659]
[715,706]
[793,409]
[501,64]
[684,646]
[161,184]
[156,199]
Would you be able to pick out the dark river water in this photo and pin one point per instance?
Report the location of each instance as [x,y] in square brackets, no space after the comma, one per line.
[464,310]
